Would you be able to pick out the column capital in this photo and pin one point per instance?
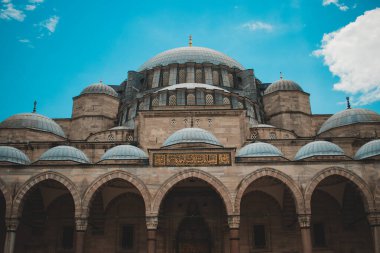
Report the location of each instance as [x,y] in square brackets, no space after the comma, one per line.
[81,223]
[151,222]
[304,220]
[11,224]
[234,221]
[374,219]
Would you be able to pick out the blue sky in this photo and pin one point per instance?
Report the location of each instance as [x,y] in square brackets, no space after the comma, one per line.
[50,50]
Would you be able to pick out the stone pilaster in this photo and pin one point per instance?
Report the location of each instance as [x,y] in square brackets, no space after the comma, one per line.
[80,231]
[11,225]
[304,221]
[151,225]
[234,224]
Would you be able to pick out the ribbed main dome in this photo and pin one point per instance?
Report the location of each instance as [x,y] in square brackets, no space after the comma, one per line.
[33,121]
[99,88]
[191,135]
[259,149]
[368,150]
[318,148]
[64,153]
[124,152]
[190,54]
[282,85]
[348,117]
[13,155]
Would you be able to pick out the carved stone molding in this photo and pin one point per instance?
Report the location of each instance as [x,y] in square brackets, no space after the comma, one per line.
[234,221]
[304,220]
[11,224]
[151,222]
[374,219]
[81,224]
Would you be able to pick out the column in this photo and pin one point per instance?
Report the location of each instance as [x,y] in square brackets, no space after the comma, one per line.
[151,225]
[80,231]
[234,224]
[10,237]
[304,221]
[374,222]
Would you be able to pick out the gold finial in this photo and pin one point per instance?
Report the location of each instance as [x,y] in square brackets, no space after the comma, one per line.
[190,41]
[34,106]
[281,76]
[348,103]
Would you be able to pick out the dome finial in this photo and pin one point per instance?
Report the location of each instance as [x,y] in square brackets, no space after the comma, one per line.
[348,103]
[190,41]
[281,75]
[34,106]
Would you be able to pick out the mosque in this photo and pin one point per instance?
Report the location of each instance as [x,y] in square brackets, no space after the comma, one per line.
[192,153]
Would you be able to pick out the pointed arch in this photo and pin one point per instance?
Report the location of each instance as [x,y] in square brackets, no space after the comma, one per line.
[7,197]
[24,189]
[368,199]
[117,174]
[269,172]
[215,183]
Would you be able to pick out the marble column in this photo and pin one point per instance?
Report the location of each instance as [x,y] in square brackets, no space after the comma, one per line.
[234,224]
[80,232]
[374,222]
[10,237]
[304,221]
[151,225]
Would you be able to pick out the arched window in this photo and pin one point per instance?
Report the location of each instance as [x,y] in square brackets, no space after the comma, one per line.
[226,101]
[172,100]
[155,101]
[209,99]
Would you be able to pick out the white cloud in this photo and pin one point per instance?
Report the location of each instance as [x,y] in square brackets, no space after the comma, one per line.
[50,24]
[24,40]
[36,1]
[10,12]
[6,1]
[30,7]
[341,6]
[353,54]
[258,25]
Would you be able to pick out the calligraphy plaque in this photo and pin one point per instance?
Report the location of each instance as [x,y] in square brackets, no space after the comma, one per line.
[191,159]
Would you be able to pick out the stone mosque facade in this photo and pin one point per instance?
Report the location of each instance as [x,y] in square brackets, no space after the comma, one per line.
[192,153]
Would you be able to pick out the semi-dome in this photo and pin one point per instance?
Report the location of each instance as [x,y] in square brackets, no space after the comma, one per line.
[13,155]
[190,54]
[99,88]
[33,121]
[64,153]
[349,117]
[191,135]
[368,150]
[319,148]
[124,152]
[283,85]
[259,149]
[191,86]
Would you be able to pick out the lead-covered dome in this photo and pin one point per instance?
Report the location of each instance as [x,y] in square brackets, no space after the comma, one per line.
[192,86]
[259,149]
[124,152]
[191,135]
[319,148]
[283,85]
[368,150]
[64,153]
[99,88]
[349,117]
[13,155]
[190,54]
[33,121]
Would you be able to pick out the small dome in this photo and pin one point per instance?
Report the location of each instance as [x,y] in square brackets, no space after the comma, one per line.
[33,121]
[318,148]
[192,86]
[259,149]
[348,117]
[124,152]
[13,155]
[190,54]
[99,88]
[368,150]
[191,135]
[64,153]
[282,85]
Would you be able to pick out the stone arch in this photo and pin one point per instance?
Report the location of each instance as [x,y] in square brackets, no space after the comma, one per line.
[7,197]
[269,172]
[21,193]
[368,199]
[117,174]
[215,183]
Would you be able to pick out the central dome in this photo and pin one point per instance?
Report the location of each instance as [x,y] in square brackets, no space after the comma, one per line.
[190,54]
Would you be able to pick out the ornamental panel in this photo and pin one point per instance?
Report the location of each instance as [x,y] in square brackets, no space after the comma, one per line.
[191,159]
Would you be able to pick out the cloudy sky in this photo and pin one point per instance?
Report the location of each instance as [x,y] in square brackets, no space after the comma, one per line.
[50,50]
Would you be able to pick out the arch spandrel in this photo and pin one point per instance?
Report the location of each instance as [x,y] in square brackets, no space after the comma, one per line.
[368,199]
[215,183]
[35,180]
[269,172]
[118,174]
